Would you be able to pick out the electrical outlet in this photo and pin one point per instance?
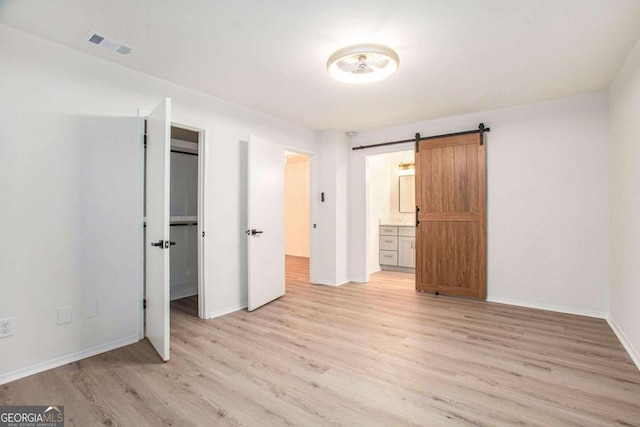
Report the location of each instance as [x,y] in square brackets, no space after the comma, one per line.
[7,327]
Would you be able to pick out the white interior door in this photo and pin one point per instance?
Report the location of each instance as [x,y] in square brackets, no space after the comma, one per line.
[158,216]
[266,221]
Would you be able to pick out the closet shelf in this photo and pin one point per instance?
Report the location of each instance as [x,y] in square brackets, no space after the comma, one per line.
[180,220]
[184,220]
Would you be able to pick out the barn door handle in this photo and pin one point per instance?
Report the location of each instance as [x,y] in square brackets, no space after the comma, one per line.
[417,210]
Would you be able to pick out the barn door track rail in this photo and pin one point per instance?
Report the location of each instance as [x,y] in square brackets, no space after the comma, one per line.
[481,130]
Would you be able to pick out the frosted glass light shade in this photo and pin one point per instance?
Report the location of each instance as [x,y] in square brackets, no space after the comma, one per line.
[361,64]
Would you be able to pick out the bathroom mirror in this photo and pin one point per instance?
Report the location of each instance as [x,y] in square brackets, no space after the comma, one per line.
[407,193]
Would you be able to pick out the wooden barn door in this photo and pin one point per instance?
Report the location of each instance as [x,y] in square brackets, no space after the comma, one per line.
[451,230]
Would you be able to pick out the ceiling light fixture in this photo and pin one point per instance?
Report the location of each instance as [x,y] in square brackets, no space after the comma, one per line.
[363,63]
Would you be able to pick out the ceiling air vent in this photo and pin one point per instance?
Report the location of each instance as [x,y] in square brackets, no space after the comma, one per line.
[109,43]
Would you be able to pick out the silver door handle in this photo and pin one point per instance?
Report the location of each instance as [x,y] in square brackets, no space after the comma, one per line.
[163,244]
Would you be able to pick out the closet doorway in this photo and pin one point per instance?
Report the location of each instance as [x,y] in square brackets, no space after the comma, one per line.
[185,205]
[186,230]
[163,137]
[298,225]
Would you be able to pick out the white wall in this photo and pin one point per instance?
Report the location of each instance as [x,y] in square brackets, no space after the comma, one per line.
[624,294]
[548,187]
[332,231]
[37,76]
[297,182]
[71,231]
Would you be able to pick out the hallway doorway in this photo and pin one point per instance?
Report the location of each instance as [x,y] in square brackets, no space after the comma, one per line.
[298,208]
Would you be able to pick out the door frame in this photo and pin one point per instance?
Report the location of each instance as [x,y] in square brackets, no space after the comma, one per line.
[409,146]
[203,143]
[313,210]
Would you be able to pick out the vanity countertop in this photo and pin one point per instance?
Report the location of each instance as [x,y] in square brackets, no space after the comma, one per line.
[398,222]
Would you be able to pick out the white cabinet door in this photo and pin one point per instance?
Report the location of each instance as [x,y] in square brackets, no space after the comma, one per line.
[406,252]
[388,230]
[157,230]
[266,221]
[388,243]
[389,258]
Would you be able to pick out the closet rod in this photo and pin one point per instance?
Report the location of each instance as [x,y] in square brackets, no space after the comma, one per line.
[481,130]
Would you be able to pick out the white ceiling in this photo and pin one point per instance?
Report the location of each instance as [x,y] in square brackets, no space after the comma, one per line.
[456,56]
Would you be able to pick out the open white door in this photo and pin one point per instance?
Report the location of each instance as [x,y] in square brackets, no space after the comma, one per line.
[158,216]
[266,221]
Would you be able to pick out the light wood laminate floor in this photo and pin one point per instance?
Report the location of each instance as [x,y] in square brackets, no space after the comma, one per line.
[376,354]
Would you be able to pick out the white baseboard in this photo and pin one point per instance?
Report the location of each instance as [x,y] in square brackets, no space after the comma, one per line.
[343,281]
[330,283]
[635,355]
[183,291]
[68,358]
[226,310]
[549,307]
[375,270]
[360,279]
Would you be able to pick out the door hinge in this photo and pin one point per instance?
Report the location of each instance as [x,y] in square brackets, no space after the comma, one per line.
[203,234]
[144,304]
